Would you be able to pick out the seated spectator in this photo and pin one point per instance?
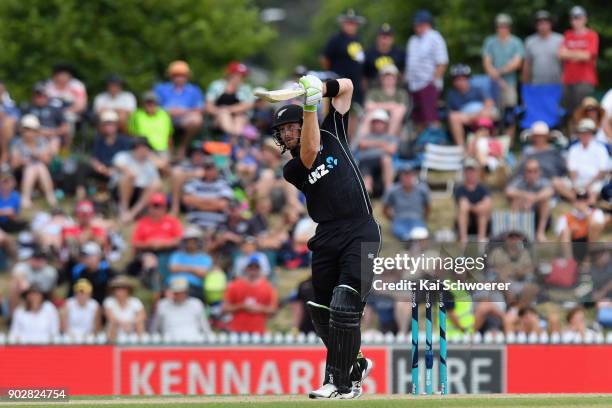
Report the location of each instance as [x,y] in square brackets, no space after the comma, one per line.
[207,198]
[9,115]
[230,100]
[155,124]
[228,236]
[269,239]
[487,150]
[588,161]
[601,275]
[249,253]
[250,300]
[606,123]
[532,192]
[407,204]
[522,320]
[549,158]
[36,320]
[183,101]
[85,229]
[35,270]
[64,87]
[180,316]
[383,307]
[582,224]
[10,204]
[93,268]
[191,262]
[591,109]
[389,96]
[137,179]
[376,147]
[53,124]
[81,315]
[125,314]
[156,235]
[576,322]
[115,98]
[30,157]
[466,104]
[187,170]
[474,204]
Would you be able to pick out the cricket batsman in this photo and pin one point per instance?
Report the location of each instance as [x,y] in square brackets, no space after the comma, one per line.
[323,168]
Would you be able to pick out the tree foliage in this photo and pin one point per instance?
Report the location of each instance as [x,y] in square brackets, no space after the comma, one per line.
[135,38]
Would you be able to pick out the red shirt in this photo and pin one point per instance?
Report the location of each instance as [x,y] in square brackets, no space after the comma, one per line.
[167,228]
[243,291]
[581,71]
[76,231]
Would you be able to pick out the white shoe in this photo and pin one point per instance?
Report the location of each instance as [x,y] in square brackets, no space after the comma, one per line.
[357,389]
[352,394]
[325,391]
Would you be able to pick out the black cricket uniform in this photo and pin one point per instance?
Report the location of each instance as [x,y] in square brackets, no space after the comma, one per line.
[337,200]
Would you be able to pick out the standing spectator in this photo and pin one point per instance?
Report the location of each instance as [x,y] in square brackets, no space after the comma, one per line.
[81,315]
[383,53]
[155,124]
[10,204]
[250,300]
[9,115]
[230,100]
[376,149]
[579,55]
[94,269]
[588,160]
[107,143]
[181,317]
[191,262]
[36,320]
[532,192]
[426,61]
[184,102]
[30,157]
[125,314]
[207,198]
[502,56]
[542,64]
[466,103]
[407,204]
[474,204]
[116,98]
[390,97]
[343,53]
[53,124]
[137,179]
[64,87]
[35,271]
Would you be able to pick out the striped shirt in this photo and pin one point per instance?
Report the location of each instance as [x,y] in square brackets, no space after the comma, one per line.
[423,54]
[207,190]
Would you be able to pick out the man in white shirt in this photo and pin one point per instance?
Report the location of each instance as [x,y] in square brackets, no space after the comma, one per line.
[426,61]
[179,316]
[115,98]
[588,160]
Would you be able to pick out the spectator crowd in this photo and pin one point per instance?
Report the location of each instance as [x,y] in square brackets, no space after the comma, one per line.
[168,213]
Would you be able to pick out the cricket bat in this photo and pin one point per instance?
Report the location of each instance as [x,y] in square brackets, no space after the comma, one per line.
[280,94]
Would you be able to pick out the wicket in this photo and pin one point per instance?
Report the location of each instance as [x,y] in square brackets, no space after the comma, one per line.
[429,359]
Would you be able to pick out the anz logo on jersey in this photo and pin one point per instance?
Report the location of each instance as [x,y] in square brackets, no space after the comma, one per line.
[322,169]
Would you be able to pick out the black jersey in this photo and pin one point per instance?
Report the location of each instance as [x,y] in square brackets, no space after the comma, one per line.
[333,187]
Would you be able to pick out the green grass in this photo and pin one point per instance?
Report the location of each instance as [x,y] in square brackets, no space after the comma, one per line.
[459,401]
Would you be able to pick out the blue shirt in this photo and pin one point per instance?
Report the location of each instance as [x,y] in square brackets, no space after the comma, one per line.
[13,201]
[189,97]
[198,259]
[456,100]
[501,53]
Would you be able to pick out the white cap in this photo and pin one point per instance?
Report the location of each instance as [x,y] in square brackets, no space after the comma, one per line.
[30,121]
[179,285]
[380,114]
[388,69]
[586,125]
[109,116]
[539,128]
[91,248]
[192,232]
[578,11]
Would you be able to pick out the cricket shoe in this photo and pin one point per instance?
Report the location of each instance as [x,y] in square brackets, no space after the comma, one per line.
[360,371]
[326,391]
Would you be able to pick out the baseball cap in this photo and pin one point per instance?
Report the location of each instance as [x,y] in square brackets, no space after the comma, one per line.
[484,122]
[542,15]
[582,195]
[586,125]
[578,11]
[539,128]
[470,163]
[82,285]
[91,249]
[114,79]
[460,70]
[236,67]
[30,121]
[40,88]
[253,261]
[388,69]
[351,15]
[109,116]
[149,96]
[157,199]
[179,285]
[422,16]
[84,207]
[39,253]
[385,29]
[406,168]
[178,68]
[300,70]
[380,114]
[192,232]
[503,19]
[140,141]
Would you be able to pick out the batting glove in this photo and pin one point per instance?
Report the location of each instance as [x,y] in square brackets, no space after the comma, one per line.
[313,88]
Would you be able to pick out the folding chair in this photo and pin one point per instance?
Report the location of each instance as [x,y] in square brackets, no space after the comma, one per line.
[444,159]
[541,103]
[504,220]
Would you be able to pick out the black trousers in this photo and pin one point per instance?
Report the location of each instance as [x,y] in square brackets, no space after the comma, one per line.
[340,256]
